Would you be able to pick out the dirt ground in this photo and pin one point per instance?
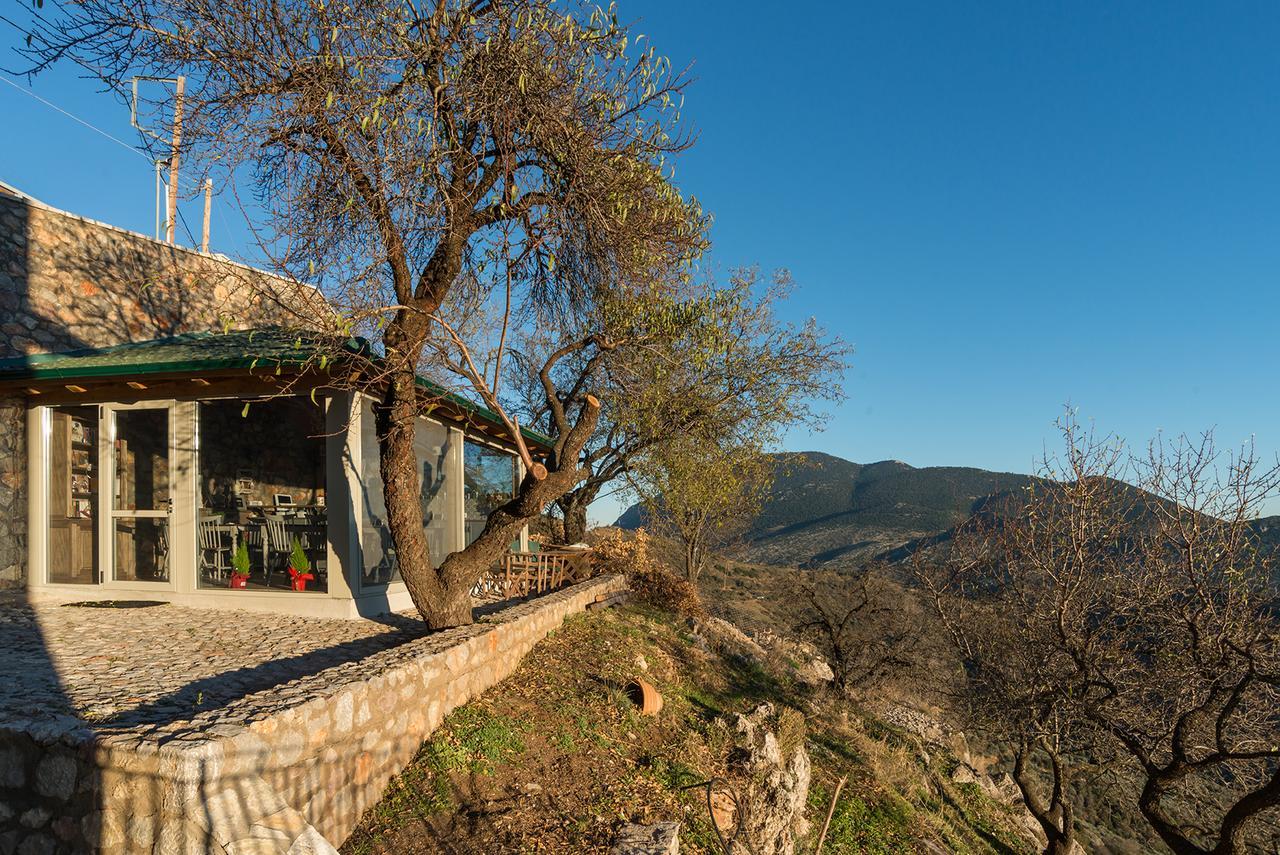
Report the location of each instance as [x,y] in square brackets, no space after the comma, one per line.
[555,758]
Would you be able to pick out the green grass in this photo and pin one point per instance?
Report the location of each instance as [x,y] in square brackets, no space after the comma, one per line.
[878,827]
[650,763]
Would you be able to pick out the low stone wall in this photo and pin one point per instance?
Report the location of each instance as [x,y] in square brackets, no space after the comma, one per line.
[290,770]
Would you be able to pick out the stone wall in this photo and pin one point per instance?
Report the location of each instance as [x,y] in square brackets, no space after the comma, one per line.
[13,493]
[67,282]
[290,770]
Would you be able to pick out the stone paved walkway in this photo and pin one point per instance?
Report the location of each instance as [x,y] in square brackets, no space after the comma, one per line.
[151,667]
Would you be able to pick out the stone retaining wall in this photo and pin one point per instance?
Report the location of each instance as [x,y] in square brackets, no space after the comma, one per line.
[290,770]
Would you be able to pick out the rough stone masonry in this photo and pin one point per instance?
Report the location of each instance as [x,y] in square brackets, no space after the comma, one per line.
[289,769]
[67,282]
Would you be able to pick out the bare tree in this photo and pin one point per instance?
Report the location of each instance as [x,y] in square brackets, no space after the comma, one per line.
[1190,687]
[1145,619]
[860,622]
[1014,692]
[420,160]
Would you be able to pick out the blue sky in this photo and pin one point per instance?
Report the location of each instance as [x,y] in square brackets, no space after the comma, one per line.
[1004,206]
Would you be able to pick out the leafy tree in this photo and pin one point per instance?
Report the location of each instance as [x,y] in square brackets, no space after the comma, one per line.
[726,370]
[445,171]
[701,493]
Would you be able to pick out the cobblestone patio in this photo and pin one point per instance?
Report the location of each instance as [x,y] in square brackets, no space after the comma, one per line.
[163,729]
[163,667]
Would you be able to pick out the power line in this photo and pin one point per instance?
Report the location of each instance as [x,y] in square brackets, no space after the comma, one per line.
[114,139]
[184,183]
[73,116]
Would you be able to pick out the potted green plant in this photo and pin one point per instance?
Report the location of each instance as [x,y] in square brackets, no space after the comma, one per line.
[299,566]
[240,566]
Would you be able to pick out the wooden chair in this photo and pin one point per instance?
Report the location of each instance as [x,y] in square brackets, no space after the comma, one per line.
[278,544]
[547,569]
[215,554]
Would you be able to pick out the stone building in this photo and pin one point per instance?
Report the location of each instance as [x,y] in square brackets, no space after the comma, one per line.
[162,420]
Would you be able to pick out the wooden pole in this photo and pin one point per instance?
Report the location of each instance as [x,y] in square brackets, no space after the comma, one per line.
[822,838]
[208,202]
[159,192]
[171,220]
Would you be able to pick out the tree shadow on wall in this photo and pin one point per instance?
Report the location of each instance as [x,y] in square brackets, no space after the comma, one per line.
[68,284]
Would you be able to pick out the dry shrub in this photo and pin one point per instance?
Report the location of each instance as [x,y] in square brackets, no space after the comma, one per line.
[651,581]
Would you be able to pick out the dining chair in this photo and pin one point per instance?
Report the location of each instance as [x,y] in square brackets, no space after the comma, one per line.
[278,544]
[162,548]
[215,554]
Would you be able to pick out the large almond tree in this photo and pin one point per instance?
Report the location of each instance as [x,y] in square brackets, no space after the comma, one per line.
[424,161]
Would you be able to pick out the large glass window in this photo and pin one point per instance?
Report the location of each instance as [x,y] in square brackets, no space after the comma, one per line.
[72,494]
[432,448]
[490,477]
[262,485]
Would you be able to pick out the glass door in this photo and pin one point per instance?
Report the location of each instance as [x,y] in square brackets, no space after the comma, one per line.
[71,497]
[140,461]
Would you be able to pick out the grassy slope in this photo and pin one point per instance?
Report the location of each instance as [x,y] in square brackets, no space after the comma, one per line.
[555,758]
[757,596]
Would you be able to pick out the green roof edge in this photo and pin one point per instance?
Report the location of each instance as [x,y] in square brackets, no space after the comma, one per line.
[355,345]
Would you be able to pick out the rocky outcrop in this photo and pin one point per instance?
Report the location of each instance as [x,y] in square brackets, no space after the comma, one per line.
[662,838]
[801,658]
[769,781]
[725,638]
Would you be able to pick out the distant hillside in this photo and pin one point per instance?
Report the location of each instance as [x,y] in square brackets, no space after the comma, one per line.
[824,510]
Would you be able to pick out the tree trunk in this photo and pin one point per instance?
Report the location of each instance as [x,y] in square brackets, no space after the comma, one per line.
[1150,804]
[573,506]
[692,560]
[1055,819]
[462,569]
[395,418]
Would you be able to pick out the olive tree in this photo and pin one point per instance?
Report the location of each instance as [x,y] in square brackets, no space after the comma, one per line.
[724,368]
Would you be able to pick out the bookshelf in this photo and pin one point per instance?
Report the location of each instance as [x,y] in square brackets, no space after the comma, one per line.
[73,495]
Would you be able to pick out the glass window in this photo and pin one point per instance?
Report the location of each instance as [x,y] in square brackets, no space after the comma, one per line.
[262,486]
[142,498]
[490,478]
[432,448]
[72,494]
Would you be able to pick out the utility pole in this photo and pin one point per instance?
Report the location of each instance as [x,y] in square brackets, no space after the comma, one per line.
[170,198]
[171,221]
[208,203]
[159,192]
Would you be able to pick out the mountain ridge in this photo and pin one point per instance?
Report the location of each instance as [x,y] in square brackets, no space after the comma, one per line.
[825,511]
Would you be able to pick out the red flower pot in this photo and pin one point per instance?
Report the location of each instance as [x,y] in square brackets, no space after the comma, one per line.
[239,581]
[300,579]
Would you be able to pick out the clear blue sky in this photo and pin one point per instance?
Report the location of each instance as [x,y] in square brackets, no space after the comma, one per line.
[1004,206]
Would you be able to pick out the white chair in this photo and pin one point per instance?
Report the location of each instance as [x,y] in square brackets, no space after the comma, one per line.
[278,544]
[215,551]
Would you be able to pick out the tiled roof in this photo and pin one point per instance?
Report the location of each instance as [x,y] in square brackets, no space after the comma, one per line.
[189,352]
[266,348]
